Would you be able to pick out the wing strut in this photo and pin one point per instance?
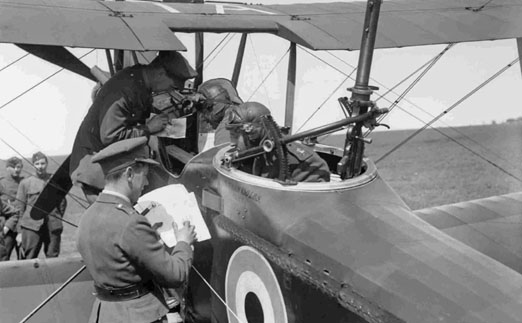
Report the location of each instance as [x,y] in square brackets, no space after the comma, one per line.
[200,49]
[519,46]
[59,56]
[239,59]
[290,87]
[109,61]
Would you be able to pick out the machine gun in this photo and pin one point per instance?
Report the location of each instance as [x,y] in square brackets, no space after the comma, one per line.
[275,141]
[177,103]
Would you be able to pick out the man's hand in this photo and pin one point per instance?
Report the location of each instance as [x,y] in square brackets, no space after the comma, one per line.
[186,233]
[157,123]
[5,230]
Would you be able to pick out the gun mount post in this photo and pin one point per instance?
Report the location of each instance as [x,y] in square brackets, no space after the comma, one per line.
[252,152]
[361,92]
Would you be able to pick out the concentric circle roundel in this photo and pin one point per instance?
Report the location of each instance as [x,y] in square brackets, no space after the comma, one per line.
[252,290]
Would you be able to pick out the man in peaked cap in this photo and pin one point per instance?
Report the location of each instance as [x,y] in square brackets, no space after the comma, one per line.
[247,130]
[121,250]
[121,110]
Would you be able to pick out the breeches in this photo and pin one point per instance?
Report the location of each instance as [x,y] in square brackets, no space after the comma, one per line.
[32,242]
[7,244]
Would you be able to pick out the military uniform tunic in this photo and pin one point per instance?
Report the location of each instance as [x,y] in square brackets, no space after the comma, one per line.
[121,249]
[8,189]
[304,165]
[119,111]
[35,232]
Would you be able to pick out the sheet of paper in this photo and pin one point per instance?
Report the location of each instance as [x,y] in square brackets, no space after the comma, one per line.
[173,203]
[176,129]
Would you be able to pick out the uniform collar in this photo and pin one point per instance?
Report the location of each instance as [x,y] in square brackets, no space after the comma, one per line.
[116,194]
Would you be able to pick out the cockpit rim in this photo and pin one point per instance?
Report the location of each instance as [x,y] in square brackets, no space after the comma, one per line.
[336,185]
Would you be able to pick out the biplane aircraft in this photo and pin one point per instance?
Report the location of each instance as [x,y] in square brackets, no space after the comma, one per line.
[275,255]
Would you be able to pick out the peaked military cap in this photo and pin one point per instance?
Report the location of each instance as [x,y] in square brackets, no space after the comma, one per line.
[176,65]
[124,153]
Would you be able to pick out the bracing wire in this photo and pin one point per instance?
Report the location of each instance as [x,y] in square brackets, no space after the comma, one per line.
[401,96]
[391,90]
[13,62]
[480,86]
[230,37]
[39,83]
[269,73]
[27,138]
[40,209]
[326,100]
[217,295]
[50,297]
[469,149]
[74,197]
[421,75]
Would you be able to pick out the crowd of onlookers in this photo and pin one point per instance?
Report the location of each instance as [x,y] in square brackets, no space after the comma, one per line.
[21,232]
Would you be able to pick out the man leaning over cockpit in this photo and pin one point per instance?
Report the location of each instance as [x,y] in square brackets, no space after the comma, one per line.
[121,110]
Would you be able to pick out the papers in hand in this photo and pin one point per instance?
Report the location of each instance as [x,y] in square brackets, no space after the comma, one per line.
[176,128]
[172,203]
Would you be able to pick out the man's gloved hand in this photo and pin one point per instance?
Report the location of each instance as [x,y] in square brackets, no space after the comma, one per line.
[186,233]
[157,123]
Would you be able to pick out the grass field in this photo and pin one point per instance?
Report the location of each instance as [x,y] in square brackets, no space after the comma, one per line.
[430,170]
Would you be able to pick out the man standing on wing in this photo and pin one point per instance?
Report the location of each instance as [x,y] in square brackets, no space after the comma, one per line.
[123,253]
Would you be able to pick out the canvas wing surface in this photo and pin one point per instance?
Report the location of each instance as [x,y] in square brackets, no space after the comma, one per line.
[491,225]
[143,25]
[89,24]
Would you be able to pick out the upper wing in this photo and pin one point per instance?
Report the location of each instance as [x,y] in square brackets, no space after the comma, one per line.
[491,225]
[89,24]
[143,25]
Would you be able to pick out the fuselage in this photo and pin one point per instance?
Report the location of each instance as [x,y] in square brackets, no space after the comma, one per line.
[343,251]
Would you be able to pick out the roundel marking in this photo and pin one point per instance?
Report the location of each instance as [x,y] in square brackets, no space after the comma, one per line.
[251,282]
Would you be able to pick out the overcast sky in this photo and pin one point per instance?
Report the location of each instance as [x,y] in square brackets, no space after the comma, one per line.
[48,117]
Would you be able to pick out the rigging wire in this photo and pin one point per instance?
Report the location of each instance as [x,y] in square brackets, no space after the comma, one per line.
[39,83]
[53,294]
[401,96]
[269,73]
[13,62]
[214,49]
[459,132]
[326,100]
[415,81]
[74,197]
[469,149]
[217,294]
[502,70]
[40,209]
[27,138]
